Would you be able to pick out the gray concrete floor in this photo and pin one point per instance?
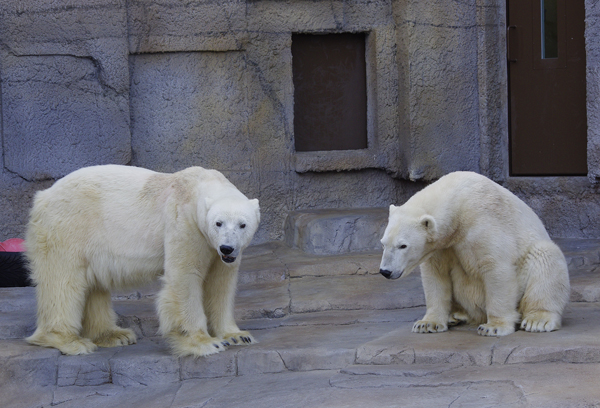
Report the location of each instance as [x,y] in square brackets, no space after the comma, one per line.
[332,332]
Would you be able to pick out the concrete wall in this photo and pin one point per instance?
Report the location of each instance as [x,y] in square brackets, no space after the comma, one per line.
[166,84]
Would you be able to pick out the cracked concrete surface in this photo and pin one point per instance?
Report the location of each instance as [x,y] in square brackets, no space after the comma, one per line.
[328,336]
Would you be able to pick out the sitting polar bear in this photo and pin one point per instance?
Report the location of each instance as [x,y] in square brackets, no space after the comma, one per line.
[485,257]
[109,227]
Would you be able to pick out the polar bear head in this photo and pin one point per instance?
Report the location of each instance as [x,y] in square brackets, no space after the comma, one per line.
[407,241]
[231,224]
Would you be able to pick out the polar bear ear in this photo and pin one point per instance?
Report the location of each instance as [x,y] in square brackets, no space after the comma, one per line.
[429,224]
[392,208]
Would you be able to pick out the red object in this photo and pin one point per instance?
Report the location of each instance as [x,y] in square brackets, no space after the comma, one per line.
[12,245]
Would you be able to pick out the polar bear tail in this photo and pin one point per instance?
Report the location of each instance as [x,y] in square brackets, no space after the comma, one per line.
[547,287]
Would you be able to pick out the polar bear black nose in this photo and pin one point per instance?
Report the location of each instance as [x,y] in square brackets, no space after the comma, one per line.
[225,249]
[385,273]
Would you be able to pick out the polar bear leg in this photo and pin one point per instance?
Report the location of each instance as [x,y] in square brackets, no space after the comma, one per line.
[501,296]
[60,303]
[99,321]
[182,320]
[547,291]
[437,286]
[180,304]
[219,300]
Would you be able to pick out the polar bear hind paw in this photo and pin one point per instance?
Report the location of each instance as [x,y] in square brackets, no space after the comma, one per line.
[495,330]
[76,347]
[538,322]
[239,339]
[115,338]
[428,326]
[69,344]
[457,318]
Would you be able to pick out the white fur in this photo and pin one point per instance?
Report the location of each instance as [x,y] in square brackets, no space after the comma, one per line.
[485,257]
[107,227]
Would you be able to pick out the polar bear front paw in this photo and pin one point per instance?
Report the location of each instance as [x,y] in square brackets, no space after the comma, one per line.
[495,330]
[239,338]
[428,326]
[196,344]
[541,322]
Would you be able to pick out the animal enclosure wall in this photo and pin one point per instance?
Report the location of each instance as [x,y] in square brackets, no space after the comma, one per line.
[166,85]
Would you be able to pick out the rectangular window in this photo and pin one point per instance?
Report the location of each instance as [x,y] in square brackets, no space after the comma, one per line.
[330,92]
[549,29]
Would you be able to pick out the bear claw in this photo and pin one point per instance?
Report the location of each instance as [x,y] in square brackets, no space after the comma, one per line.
[484,330]
[238,338]
[424,326]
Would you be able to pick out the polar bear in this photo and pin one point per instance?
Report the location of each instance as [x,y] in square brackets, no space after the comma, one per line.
[110,227]
[485,257]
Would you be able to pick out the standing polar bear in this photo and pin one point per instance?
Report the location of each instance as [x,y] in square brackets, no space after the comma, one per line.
[485,257]
[110,227]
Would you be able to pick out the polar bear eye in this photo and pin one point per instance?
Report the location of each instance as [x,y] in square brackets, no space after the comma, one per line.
[242,226]
[219,223]
[402,246]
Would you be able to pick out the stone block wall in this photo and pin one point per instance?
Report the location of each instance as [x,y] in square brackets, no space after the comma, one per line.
[165,84]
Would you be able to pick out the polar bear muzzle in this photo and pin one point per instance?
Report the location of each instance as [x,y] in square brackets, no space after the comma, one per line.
[226,251]
[390,275]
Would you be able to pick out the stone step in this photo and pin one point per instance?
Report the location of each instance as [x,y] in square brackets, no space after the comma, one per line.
[257,300]
[332,340]
[276,281]
[274,261]
[341,231]
[270,300]
[335,231]
[581,254]
[308,312]
[550,385]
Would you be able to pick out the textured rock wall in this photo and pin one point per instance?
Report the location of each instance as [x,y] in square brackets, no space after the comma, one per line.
[166,84]
[592,49]
[442,94]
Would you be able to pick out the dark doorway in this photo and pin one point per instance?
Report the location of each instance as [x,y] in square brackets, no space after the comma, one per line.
[547,88]
[330,92]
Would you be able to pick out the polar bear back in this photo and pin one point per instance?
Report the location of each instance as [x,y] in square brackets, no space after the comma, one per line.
[479,208]
[113,218]
[98,204]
